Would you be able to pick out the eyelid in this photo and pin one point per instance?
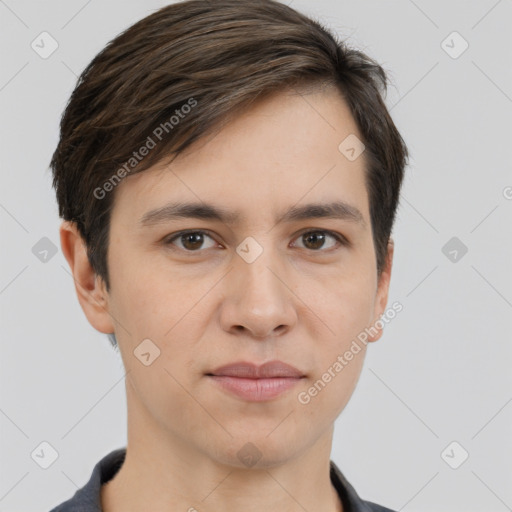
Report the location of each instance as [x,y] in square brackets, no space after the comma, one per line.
[174,236]
[337,236]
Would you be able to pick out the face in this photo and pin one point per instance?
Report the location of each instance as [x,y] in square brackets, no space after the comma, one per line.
[254,287]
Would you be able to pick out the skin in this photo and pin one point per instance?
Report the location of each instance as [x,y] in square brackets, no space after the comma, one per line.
[300,302]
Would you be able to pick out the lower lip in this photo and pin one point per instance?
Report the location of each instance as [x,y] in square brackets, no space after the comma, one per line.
[256,390]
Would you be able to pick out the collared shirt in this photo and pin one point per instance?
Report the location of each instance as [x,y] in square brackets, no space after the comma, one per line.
[88,498]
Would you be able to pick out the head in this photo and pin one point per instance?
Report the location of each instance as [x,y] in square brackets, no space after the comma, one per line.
[248,108]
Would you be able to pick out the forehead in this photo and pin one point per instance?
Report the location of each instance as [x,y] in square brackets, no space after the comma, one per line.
[283,150]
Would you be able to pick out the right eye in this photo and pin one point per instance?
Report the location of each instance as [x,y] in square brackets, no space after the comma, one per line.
[191,241]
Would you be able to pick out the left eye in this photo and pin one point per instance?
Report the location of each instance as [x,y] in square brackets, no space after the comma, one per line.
[315,239]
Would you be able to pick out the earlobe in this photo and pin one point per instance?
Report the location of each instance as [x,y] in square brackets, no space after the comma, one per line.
[381,298]
[90,288]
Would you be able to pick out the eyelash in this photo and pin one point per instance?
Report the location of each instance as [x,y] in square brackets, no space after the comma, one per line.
[338,237]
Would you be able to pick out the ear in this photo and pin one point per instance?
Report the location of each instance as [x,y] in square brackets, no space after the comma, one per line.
[381,298]
[90,288]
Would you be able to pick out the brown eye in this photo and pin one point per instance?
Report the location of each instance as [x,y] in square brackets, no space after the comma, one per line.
[191,241]
[316,240]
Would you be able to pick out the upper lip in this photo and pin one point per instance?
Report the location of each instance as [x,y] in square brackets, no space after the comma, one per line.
[271,369]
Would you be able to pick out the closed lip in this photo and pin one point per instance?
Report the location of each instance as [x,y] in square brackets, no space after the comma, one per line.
[248,370]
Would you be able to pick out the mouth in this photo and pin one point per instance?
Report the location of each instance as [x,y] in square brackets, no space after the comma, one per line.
[256,383]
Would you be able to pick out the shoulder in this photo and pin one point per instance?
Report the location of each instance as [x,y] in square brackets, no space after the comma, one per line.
[368,506]
[88,497]
[351,500]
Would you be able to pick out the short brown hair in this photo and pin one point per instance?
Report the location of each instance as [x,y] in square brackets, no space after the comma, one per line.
[218,56]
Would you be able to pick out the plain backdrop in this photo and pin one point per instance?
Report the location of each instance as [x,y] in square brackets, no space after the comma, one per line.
[435,389]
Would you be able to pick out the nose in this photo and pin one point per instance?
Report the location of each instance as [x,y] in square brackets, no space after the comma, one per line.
[258,300]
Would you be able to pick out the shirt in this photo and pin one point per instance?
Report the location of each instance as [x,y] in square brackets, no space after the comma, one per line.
[88,498]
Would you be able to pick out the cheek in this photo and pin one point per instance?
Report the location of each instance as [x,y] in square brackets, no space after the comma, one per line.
[162,390]
[152,300]
[330,389]
[346,307]
[344,303]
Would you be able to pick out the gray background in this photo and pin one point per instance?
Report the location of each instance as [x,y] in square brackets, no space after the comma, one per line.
[441,372]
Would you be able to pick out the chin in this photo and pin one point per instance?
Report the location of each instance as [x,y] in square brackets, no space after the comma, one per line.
[259,450]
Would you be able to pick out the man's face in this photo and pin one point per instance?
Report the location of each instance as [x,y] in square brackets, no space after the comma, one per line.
[253,290]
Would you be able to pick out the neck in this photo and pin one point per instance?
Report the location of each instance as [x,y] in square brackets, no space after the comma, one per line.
[164,473]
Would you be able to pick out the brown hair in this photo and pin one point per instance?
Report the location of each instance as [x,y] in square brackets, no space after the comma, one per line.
[201,62]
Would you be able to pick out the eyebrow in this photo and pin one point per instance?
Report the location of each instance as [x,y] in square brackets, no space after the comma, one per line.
[176,210]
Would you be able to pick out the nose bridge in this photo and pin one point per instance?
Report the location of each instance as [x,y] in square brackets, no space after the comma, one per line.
[258,299]
[253,269]
[259,283]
